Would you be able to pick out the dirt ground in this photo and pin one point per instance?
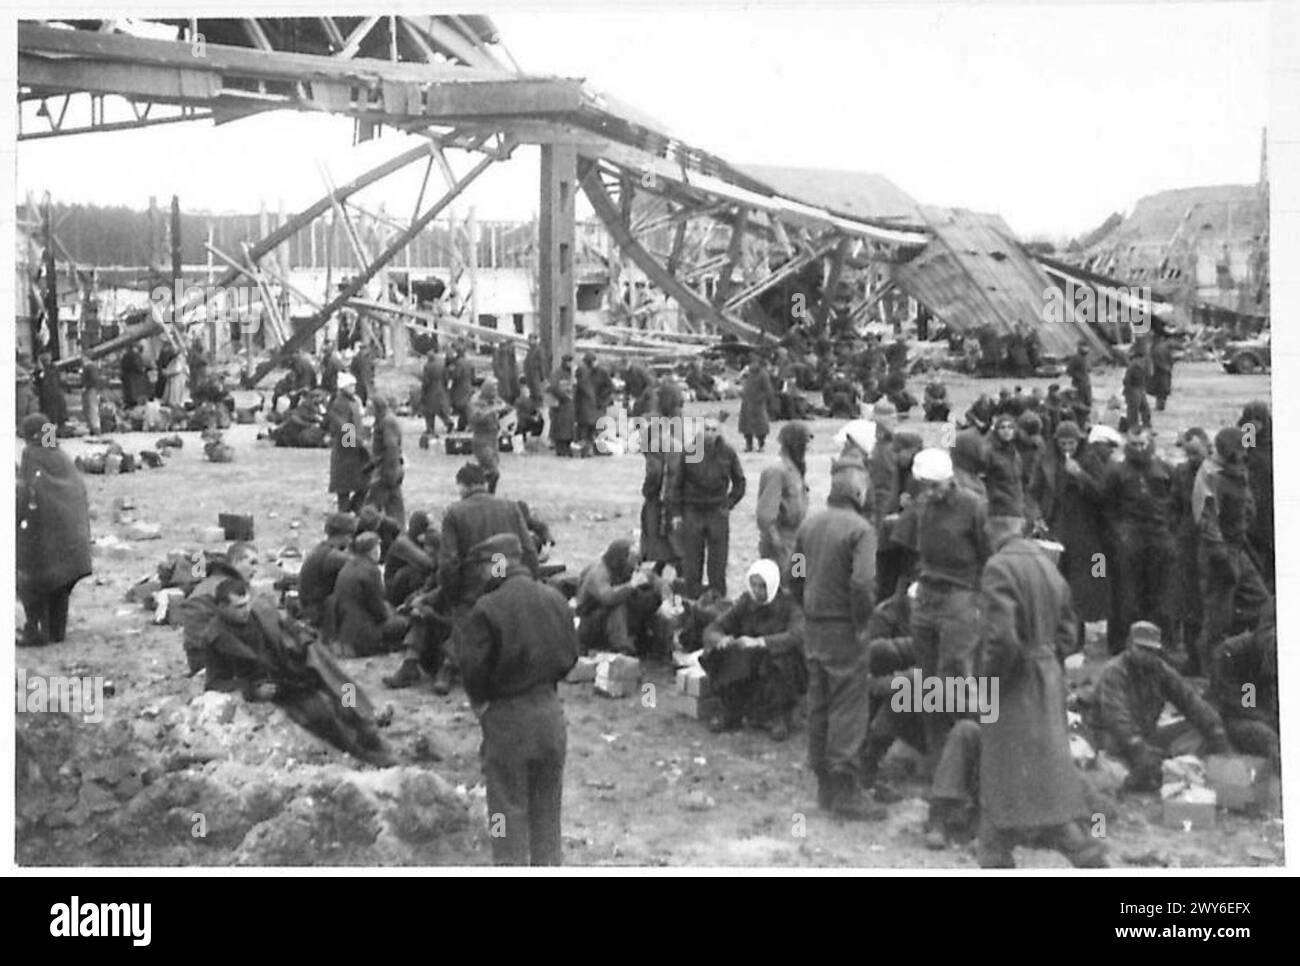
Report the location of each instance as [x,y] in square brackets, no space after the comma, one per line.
[643,785]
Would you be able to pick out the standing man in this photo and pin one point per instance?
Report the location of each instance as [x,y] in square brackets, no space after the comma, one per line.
[50,390]
[1162,370]
[485,411]
[516,644]
[363,370]
[348,455]
[475,517]
[389,467]
[586,410]
[469,521]
[833,578]
[535,369]
[1257,437]
[703,494]
[1223,508]
[946,530]
[135,377]
[756,396]
[92,385]
[882,463]
[783,498]
[1185,586]
[1028,784]
[563,412]
[1137,495]
[1080,376]
[462,388]
[506,370]
[331,366]
[434,400]
[1136,379]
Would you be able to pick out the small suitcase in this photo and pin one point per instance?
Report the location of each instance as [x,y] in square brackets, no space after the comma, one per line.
[459,444]
[237,526]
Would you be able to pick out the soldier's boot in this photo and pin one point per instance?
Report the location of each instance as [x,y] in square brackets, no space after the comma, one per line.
[408,675]
[873,753]
[780,727]
[849,803]
[951,823]
[1083,851]
[446,679]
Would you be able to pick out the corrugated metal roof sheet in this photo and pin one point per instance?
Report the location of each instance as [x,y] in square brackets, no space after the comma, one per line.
[857,194]
[1222,212]
[975,273]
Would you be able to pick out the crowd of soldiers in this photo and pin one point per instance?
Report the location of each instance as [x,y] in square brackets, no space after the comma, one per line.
[987,558]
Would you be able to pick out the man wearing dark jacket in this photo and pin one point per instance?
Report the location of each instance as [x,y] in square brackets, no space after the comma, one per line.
[462,389]
[946,533]
[516,644]
[1004,473]
[435,404]
[708,485]
[348,453]
[389,467]
[363,370]
[1136,495]
[363,621]
[535,370]
[1223,508]
[252,649]
[833,575]
[1080,377]
[1136,379]
[1257,437]
[1243,687]
[1132,691]
[321,566]
[783,498]
[475,517]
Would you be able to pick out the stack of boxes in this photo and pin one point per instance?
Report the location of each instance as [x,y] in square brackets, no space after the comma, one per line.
[693,697]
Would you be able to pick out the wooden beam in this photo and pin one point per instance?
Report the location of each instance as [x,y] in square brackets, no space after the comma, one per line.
[357,282]
[354,40]
[670,286]
[833,277]
[791,267]
[735,248]
[556,290]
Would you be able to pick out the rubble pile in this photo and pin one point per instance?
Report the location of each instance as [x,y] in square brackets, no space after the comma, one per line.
[214,780]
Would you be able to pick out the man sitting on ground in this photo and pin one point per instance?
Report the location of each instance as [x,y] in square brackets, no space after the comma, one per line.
[616,601]
[251,648]
[1133,689]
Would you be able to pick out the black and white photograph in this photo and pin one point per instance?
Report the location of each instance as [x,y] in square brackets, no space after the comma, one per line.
[737,437]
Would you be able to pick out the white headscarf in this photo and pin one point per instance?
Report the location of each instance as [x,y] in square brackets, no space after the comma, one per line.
[861,431]
[771,574]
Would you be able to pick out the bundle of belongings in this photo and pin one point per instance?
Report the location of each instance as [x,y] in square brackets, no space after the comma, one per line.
[215,448]
[114,459]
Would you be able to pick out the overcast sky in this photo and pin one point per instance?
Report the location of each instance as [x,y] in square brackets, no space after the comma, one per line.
[1053,116]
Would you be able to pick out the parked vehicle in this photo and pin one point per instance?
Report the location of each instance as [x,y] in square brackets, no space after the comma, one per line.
[1248,356]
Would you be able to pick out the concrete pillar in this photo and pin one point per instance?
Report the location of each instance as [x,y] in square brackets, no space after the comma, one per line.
[555,250]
